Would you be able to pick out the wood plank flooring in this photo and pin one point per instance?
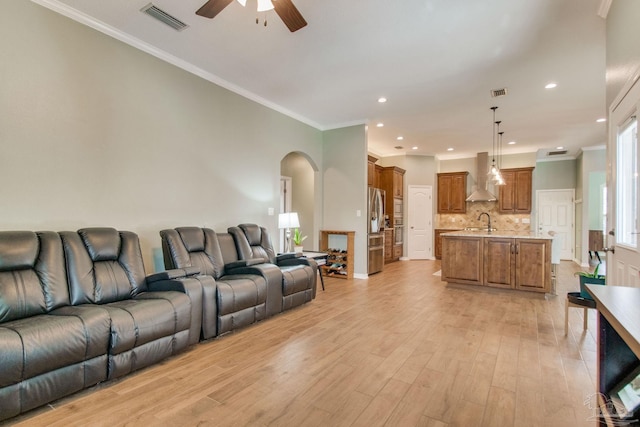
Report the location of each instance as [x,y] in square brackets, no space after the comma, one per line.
[400,349]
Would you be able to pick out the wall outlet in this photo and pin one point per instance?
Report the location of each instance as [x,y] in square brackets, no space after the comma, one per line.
[516,220]
[358,212]
[270,211]
[526,220]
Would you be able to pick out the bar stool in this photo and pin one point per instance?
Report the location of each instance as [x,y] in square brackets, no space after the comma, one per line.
[575,300]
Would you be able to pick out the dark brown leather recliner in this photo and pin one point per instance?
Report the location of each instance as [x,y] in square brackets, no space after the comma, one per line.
[299,274]
[105,270]
[48,349]
[243,289]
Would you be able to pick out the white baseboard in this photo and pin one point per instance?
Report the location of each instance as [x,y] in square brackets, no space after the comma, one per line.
[360,276]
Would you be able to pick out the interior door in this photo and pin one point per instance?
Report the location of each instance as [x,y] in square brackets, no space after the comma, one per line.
[555,211]
[623,257]
[420,241]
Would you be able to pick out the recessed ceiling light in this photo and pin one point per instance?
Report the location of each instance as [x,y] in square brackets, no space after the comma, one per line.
[512,142]
[382,100]
[551,85]
[449,149]
[601,120]
[400,138]
[380,125]
[414,148]
[560,148]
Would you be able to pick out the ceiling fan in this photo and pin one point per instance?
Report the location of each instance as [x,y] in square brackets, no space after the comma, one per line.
[285,9]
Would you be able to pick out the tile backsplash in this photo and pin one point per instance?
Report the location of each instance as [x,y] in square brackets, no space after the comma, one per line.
[502,222]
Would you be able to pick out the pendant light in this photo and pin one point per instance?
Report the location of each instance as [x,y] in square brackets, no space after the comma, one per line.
[494,168]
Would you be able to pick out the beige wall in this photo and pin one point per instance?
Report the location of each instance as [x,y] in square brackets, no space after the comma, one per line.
[345,184]
[96,133]
[623,49]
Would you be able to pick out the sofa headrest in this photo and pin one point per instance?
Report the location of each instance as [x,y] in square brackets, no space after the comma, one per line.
[192,237]
[103,244]
[253,233]
[18,250]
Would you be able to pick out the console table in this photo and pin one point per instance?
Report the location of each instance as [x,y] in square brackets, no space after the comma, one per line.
[618,342]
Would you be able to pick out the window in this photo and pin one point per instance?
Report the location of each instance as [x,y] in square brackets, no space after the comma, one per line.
[627,184]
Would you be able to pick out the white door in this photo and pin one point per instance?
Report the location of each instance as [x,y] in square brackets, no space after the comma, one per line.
[419,237]
[555,211]
[623,265]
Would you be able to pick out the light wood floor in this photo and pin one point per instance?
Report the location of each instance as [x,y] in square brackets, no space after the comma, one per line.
[400,349]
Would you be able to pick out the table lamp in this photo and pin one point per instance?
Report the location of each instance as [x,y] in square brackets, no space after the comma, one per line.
[288,220]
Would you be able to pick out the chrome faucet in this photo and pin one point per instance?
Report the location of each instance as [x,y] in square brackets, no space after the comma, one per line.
[488,220]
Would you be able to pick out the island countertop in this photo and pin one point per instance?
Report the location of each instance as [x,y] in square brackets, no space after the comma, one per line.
[499,233]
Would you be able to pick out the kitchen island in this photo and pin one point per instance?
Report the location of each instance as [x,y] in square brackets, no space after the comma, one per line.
[508,259]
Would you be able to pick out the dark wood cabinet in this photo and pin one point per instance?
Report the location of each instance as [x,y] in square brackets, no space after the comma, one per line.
[437,241]
[371,171]
[515,196]
[452,192]
[388,245]
[462,260]
[498,262]
[393,182]
[523,264]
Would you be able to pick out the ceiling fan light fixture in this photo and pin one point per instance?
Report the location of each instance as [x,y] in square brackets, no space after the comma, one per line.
[264,5]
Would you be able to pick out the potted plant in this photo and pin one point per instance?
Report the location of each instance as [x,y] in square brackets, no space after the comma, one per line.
[587,278]
[297,240]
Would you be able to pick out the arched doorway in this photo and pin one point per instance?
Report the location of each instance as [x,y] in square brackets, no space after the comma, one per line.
[297,194]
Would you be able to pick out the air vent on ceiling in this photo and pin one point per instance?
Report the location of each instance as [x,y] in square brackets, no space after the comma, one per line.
[557,153]
[164,17]
[498,92]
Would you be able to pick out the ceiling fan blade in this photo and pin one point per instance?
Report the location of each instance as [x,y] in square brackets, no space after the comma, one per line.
[289,14]
[213,7]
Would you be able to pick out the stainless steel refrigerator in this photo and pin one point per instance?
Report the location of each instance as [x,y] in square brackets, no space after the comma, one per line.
[376,225]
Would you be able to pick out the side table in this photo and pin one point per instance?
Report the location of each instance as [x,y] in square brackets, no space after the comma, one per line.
[320,259]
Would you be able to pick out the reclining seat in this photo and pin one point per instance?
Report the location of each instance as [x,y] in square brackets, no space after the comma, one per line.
[299,274]
[47,348]
[241,292]
[104,267]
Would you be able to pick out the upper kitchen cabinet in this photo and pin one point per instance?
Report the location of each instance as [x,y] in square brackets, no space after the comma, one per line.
[393,181]
[371,171]
[452,192]
[515,196]
[374,173]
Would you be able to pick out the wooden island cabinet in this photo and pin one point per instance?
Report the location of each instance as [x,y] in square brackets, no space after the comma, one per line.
[510,261]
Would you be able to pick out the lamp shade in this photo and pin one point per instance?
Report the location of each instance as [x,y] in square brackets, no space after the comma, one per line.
[288,220]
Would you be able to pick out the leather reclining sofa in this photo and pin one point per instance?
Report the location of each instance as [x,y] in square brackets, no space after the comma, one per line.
[251,282]
[76,308]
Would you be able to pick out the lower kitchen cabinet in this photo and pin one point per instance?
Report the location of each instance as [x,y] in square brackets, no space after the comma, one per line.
[388,245]
[499,262]
[533,265]
[462,259]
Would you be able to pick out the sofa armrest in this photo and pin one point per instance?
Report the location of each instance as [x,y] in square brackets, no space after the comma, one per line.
[243,263]
[194,289]
[176,273]
[288,255]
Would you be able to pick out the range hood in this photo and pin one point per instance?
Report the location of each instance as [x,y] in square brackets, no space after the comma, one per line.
[481,194]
